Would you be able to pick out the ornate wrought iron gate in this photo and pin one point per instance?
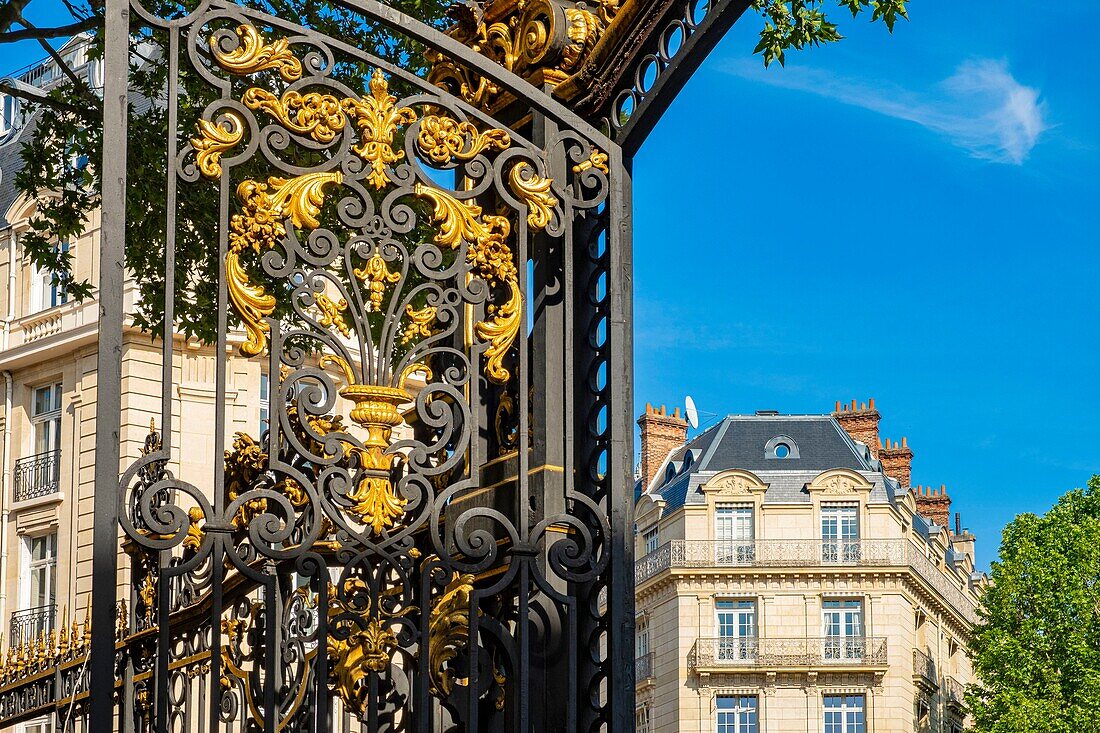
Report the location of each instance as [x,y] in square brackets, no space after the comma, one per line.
[434,531]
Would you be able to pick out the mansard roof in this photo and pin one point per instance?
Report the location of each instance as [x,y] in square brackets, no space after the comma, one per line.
[811,444]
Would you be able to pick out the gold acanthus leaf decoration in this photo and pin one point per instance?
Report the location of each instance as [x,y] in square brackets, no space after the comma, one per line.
[535,191]
[448,631]
[332,313]
[252,55]
[264,209]
[443,138]
[376,274]
[320,116]
[419,325]
[597,160]
[500,332]
[491,259]
[215,139]
[377,118]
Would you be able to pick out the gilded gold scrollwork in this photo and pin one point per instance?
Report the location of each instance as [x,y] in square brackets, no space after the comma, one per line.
[377,118]
[419,325]
[214,140]
[488,253]
[597,160]
[443,138]
[376,274]
[535,191]
[448,631]
[320,116]
[252,55]
[332,313]
[259,226]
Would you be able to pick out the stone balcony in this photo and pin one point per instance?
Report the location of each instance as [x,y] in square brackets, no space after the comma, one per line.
[706,554]
[806,654]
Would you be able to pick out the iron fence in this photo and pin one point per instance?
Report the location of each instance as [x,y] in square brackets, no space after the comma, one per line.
[31,623]
[37,475]
[643,667]
[754,652]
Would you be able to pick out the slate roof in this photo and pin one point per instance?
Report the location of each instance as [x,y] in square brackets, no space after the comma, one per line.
[740,441]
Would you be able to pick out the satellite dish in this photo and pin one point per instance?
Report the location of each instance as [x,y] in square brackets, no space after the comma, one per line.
[692,413]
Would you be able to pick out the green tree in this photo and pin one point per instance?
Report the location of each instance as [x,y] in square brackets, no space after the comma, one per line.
[1037,650]
[68,126]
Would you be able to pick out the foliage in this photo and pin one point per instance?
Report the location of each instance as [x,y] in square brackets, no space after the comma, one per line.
[800,23]
[68,127]
[1037,650]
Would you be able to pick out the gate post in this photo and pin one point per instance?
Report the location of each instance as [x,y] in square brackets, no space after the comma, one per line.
[109,366]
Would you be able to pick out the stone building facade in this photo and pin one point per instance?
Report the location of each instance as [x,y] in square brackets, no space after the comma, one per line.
[790,580]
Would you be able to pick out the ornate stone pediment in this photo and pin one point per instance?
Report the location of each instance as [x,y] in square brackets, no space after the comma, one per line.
[735,483]
[839,482]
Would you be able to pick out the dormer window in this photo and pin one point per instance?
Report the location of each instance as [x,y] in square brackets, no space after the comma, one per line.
[781,447]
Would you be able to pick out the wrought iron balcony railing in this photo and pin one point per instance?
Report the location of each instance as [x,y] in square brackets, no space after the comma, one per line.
[755,553]
[812,652]
[805,553]
[37,475]
[925,667]
[643,667]
[30,623]
[956,693]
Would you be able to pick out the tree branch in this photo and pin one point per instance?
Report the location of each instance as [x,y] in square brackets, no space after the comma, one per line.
[41,33]
[82,112]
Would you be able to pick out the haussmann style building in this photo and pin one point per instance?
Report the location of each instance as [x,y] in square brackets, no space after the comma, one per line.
[791,580]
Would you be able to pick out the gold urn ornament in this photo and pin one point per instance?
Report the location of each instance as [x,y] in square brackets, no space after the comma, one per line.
[374,500]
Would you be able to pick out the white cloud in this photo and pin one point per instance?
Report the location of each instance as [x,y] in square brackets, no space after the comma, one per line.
[981,108]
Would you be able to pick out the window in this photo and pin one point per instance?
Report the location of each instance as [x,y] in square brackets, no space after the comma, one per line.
[43,725]
[734,534]
[10,117]
[844,714]
[46,418]
[736,622]
[265,400]
[652,539]
[41,577]
[840,533]
[46,291]
[842,627]
[735,714]
[641,637]
[641,719]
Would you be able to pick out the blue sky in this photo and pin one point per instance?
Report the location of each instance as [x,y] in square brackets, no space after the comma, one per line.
[912,218]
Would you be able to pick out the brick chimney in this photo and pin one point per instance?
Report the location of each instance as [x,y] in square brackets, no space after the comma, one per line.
[860,420]
[897,460]
[661,434]
[934,504]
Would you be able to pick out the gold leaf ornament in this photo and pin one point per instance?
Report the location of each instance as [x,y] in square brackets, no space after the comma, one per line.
[252,55]
[264,209]
[443,138]
[214,140]
[376,274]
[377,118]
[319,116]
[535,191]
[448,631]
